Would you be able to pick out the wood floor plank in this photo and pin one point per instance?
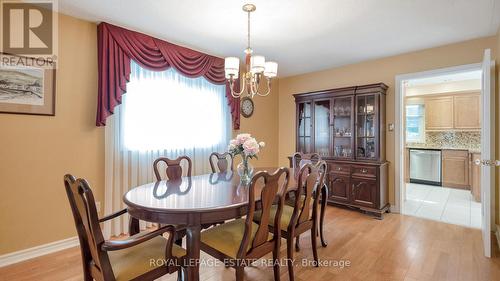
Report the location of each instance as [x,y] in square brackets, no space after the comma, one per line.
[396,248]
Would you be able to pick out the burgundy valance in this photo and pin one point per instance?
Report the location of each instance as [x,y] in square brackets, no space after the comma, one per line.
[117,46]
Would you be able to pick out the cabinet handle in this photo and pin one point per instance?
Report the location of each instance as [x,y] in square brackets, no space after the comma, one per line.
[339,169]
[364,171]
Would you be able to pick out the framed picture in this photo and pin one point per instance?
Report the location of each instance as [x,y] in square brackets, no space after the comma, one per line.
[26,88]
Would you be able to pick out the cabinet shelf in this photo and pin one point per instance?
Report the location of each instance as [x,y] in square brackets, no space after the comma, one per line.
[357,170]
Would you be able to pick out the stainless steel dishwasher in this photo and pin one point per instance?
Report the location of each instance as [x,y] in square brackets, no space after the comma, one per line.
[425,166]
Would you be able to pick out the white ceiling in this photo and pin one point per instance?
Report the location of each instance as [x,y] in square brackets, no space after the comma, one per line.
[301,35]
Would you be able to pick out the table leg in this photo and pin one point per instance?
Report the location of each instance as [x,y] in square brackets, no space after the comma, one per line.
[192,268]
[324,197]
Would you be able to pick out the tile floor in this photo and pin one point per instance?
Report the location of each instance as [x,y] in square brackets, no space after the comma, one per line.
[444,204]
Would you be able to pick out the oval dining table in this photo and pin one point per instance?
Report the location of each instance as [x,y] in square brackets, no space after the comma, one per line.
[196,201]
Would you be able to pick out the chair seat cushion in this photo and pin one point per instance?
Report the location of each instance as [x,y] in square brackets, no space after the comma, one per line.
[286,216]
[226,238]
[134,261]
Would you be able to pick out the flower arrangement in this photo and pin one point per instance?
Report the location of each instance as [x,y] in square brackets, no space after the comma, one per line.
[248,147]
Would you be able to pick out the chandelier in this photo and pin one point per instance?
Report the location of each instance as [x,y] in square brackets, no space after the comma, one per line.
[257,68]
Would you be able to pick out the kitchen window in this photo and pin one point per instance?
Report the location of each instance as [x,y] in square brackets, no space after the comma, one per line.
[415,123]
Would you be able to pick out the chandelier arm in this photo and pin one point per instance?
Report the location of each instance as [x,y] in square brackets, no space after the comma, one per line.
[237,94]
[268,88]
[255,86]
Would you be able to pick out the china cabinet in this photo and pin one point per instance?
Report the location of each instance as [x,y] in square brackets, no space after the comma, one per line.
[346,127]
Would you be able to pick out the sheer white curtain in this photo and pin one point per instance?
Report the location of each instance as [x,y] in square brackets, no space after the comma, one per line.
[162,114]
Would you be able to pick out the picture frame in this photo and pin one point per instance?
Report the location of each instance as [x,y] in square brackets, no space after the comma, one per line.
[27,85]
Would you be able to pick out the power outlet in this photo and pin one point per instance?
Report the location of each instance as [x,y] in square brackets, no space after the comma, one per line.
[98,206]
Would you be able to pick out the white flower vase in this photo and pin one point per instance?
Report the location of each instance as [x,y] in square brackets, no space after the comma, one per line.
[245,170]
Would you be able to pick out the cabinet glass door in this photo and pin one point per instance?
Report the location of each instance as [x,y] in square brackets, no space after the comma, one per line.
[304,134]
[342,127]
[366,127]
[322,127]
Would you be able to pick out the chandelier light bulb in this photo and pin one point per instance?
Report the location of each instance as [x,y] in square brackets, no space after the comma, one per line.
[257,64]
[271,69]
[232,67]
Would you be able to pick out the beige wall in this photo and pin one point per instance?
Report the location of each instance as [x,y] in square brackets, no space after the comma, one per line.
[36,151]
[381,70]
[263,125]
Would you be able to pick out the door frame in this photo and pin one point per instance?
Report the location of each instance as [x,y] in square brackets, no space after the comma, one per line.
[399,136]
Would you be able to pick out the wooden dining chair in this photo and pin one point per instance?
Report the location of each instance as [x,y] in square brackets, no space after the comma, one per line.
[303,215]
[219,162]
[241,241]
[173,170]
[128,259]
[299,159]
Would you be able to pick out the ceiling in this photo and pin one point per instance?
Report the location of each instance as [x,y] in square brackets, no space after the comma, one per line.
[301,35]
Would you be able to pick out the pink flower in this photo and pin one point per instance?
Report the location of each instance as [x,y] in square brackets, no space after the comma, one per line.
[241,138]
[251,147]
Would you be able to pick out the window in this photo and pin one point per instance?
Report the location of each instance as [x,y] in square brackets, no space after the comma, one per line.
[415,123]
[166,110]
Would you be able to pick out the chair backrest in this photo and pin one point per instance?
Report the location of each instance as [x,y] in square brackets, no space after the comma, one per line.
[174,168]
[299,159]
[271,193]
[95,261]
[312,178]
[221,161]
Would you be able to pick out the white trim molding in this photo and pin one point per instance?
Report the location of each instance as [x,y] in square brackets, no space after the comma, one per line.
[37,251]
[399,190]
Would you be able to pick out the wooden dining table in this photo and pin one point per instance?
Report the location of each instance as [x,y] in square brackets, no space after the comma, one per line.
[195,201]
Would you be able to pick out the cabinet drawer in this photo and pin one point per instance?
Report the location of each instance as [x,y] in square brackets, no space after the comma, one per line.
[340,168]
[364,171]
[455,153]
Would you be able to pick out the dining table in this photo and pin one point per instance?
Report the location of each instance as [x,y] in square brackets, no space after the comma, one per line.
[196,201]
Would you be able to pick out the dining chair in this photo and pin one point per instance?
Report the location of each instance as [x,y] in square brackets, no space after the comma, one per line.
[117,260]
[173,170]
[242,241]
[219,162]
[303,215]
[299,159]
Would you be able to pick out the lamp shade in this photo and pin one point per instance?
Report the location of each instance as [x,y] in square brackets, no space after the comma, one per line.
[271,69]
[232,66]
[257,64]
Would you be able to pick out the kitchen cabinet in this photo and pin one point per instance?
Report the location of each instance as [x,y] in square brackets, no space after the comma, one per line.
[455,168]
[346,127]
[454,112]
[475,176]
[467,112]
[439,113]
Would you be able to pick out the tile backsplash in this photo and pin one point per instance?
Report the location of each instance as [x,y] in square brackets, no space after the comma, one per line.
[460,140]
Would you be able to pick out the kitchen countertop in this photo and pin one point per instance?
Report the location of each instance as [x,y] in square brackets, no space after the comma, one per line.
[424,146]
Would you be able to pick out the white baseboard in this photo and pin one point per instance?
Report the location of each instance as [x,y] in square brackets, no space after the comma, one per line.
[37,251]
[497,234]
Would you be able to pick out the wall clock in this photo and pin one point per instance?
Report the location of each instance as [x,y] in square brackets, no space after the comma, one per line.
[247,107]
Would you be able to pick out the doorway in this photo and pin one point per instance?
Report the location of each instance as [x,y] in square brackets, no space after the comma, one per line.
[444,128]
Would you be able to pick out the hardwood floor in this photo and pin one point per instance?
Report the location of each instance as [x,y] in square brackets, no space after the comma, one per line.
[396,248]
